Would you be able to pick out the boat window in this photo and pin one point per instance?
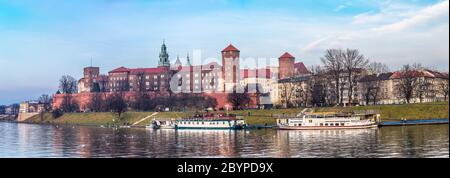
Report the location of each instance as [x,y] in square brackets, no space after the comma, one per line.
[299,124]
[321,124]
[203,123]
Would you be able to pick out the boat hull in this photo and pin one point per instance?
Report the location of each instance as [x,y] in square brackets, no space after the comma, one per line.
[325,127]
[209,128]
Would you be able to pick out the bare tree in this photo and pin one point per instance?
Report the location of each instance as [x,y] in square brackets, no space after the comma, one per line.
[333,62]
[443,87]
[239,100]
[116,103]
[377,68]
[97,103]
[286,92]
[424,88]
[69,104]
[371,91]
[353,61]
[67,84]
[2,109]
[46,100]
[103,83]
[316,86]
[407,81]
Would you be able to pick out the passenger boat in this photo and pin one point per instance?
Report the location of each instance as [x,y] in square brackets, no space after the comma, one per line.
[202,121]
[331,121]
[211,121]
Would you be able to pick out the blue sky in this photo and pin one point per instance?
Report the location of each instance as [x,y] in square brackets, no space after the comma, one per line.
[42,40]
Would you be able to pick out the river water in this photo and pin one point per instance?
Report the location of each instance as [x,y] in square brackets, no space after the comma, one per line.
[31,140]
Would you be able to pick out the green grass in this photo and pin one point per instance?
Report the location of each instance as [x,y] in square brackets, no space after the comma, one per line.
[256,117]
[397,112]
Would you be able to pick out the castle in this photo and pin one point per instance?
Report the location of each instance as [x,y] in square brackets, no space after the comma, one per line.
[212,79]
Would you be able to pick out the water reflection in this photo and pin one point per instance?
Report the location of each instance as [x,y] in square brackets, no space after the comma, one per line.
[27,140]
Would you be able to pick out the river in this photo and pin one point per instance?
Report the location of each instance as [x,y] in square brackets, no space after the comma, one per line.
[35,141]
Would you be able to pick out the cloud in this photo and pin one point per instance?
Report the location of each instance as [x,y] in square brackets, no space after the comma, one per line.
[424,16]
[395,36]
[343,6]
[388,12]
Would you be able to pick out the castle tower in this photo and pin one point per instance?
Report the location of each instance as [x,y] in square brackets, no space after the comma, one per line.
[177,65]
[188,61]
[163,57]
[286,66]
[230,68]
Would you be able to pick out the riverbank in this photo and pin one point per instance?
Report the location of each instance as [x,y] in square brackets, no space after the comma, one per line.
[252,117]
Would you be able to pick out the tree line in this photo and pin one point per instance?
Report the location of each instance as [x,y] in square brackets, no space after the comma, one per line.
[338,78]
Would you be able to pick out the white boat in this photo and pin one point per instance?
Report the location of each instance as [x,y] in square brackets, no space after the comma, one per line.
[202,121]
[211,121]
[318,122]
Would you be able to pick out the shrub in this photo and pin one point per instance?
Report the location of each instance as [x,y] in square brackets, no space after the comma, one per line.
[56,113]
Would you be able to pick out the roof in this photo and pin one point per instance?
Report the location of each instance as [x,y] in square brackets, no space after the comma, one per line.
[301,68]
[256,73]
[206,67]
[286,55]
[230,48]
[376,77]
[120,69]
[295,79]
[148,70]
[438,74]
[139,70]
[421,73]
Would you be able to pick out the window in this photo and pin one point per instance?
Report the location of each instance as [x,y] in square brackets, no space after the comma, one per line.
[155,77]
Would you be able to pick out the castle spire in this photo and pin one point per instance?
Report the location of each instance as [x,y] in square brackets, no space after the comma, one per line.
[188,62]
[164,56]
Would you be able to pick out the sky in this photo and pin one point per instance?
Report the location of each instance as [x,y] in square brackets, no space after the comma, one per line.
[42,40]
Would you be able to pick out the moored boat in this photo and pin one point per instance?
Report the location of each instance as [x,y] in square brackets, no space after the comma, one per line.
[211,121]
[330,121]
[201,121]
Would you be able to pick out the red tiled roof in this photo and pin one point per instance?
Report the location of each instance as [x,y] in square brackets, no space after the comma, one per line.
[230,48]
[139,70]
[252,73]
[286,55]
[120,69]
[416,73]
[206,67]
[400,74]
[301,68]
[148,70]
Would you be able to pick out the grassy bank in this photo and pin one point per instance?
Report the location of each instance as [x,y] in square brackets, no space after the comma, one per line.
[407,111]
[254,117]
